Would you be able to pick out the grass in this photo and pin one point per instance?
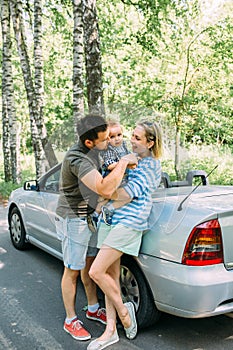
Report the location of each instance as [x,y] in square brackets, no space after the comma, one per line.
[196,157]
[27,173]
[204,158]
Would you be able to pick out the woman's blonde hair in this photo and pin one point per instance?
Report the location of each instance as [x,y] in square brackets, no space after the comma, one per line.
[153,133]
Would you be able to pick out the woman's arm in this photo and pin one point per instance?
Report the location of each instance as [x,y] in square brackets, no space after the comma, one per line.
[121,195]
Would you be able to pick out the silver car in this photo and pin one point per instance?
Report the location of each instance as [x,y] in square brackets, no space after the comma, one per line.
[185,266]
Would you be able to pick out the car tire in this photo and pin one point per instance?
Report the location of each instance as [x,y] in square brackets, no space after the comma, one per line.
[134,288]
[17,230]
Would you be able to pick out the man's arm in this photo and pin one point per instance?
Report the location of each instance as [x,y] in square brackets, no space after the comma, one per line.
[106,186]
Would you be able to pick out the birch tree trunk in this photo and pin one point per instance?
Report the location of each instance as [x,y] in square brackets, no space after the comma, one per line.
[18,25]
[39,84]
[78,62]
[6,136]
[42,148]
[93,58]
[11,150]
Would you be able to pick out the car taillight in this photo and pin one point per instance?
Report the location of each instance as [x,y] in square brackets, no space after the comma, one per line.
[204,245]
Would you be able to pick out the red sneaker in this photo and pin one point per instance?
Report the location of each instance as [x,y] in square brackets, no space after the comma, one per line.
[76,330]
[99,315]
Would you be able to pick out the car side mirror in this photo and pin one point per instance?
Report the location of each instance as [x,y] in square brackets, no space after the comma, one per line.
[31,185]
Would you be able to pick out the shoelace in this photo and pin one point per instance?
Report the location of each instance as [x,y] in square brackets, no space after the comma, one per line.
[101,311]
[77,324]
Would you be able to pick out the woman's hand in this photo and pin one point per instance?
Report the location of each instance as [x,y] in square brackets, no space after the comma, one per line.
[131,158]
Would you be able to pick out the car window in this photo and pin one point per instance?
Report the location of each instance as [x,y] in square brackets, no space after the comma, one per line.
[51,184]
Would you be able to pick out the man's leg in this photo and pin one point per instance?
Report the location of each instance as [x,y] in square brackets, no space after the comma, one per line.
[95,312]
[89,284]
[69,288]
[72,325]
[74,247]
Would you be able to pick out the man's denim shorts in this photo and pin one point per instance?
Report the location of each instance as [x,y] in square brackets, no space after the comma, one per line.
[77,241]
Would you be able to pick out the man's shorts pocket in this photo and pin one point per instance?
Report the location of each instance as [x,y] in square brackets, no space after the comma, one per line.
[59,224]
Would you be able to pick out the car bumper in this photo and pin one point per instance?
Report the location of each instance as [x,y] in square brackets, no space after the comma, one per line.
[189,291]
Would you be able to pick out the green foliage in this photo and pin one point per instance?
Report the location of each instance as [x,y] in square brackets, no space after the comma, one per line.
[150,68]
[58,65]
[146,70]
[27,173]
[205,158]
[196,157]
[7,187]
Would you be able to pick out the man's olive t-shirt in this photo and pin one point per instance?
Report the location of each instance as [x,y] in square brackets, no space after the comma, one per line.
[75,198]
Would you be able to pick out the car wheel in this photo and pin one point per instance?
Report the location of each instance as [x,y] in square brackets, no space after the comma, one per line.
[17,230]
[134,288]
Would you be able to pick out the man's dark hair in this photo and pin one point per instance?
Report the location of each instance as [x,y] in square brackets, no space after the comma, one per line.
[89,126]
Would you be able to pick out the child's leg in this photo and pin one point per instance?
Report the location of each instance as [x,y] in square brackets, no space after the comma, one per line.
[101,203]
[109,208]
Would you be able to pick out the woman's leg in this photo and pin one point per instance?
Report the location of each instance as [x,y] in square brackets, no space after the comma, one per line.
[113,270]
[105,272]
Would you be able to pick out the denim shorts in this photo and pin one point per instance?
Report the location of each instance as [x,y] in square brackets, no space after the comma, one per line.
[77,241]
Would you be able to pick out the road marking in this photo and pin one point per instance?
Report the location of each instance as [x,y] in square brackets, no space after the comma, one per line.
[23,325]
[5,343]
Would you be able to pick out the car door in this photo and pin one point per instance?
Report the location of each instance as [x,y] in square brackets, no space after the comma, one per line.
[40,210]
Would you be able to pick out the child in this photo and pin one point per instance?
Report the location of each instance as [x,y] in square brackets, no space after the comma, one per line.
[117,148]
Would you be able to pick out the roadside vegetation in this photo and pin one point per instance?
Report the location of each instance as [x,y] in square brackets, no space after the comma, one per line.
[205,157]
[166,60]
[196,157]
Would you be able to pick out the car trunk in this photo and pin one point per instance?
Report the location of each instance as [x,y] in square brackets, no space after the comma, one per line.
[226,223]
[170,227]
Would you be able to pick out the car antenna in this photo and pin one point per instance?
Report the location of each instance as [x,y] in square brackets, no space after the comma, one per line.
[181,203]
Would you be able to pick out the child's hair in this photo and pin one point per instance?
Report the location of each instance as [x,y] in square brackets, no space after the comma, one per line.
[112,122]
[153,133]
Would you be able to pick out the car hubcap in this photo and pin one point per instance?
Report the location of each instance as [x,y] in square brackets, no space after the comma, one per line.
[15,228]
[129,287]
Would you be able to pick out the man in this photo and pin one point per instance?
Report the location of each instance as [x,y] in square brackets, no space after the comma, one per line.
[81,184]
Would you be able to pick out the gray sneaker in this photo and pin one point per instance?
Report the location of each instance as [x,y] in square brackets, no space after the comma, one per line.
[92,223]
[131,332]
[107,215]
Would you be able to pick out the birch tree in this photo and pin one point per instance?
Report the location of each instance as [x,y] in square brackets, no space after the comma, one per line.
[78,62]
[39,84]
[19,29]
[11,149]
[86,44]
[93,58]
[42,149]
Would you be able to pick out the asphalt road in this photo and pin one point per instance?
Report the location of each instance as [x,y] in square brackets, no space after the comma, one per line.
[32,313]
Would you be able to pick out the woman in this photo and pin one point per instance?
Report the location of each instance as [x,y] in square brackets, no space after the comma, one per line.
[125,233]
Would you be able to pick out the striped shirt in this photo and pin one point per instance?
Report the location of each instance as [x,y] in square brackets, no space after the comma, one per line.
[142,182]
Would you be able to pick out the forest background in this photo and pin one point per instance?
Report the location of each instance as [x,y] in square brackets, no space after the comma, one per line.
[168,60]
